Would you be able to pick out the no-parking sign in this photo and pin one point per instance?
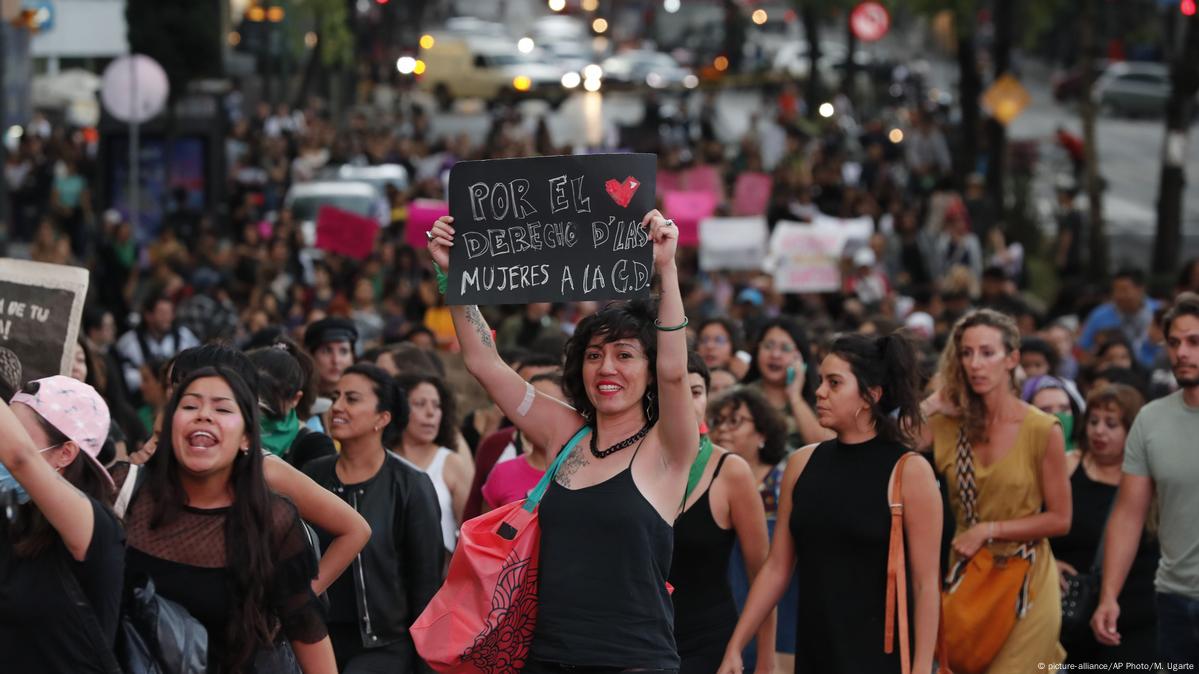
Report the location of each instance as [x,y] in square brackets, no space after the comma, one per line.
[869,21]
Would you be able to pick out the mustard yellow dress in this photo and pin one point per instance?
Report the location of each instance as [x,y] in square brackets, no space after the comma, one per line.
[1007,490]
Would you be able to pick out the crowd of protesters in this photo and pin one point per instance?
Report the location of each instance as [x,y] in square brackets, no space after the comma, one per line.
[261,389]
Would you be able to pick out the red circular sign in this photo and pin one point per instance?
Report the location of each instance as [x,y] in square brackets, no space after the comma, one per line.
[869,21]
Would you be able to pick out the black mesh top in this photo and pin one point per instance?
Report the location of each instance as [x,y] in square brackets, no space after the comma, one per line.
[186,559]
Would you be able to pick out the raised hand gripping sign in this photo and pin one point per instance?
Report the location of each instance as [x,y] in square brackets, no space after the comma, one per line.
[40,309]
[551,229]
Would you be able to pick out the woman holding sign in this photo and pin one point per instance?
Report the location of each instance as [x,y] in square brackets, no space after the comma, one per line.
[606,520]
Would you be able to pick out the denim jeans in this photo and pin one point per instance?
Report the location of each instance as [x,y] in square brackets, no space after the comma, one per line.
[1177,629]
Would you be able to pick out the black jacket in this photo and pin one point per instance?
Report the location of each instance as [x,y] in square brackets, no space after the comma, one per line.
[400,569]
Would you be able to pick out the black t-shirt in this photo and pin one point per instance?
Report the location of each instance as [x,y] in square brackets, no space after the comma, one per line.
[41,630]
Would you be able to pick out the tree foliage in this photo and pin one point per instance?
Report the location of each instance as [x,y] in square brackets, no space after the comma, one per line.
[329,19]
[184,36]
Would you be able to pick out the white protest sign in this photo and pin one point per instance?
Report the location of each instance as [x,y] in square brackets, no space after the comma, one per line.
[40,309]
[807,257]
[736,244]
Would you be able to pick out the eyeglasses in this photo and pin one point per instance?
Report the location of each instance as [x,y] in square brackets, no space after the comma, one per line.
[715,340]
[781,347]
[731,423]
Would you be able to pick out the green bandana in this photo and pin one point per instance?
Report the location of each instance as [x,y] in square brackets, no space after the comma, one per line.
[1067,420]
[278,434]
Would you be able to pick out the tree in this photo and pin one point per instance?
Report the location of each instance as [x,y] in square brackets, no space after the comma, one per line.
[1098,230]
[1001,54]
[963,13]
[184,36]
[1184,83]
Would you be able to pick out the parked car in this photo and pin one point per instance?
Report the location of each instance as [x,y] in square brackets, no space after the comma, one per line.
[487,68]
[643,67]
[380,175]
[1134,89]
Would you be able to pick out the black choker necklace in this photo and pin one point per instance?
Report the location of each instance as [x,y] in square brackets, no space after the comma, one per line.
[599,454]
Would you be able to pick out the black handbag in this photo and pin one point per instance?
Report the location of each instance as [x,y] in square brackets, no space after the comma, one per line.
[154,626]
[1081,596]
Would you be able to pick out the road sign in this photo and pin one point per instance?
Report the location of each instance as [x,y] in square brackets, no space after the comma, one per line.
[1006,98]
[869,21]
[134,89]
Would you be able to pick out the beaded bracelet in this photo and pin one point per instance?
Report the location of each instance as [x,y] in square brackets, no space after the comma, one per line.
[442,279]
[673,328]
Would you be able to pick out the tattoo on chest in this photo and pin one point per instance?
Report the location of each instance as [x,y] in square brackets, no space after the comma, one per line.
[570,466]
[476,320]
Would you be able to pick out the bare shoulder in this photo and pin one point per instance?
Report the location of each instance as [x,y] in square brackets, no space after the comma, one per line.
[917,470]
[797,462]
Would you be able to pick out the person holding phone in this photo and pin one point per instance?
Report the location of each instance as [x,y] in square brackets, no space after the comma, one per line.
[780,372]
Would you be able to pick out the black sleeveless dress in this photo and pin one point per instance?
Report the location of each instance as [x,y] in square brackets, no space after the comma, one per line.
[704,611]
[1091,502]
[841,523]
[602,599]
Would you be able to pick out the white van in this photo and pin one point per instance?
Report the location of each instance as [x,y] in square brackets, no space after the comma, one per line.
[488,68]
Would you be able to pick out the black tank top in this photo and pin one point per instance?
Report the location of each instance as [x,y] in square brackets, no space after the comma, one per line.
[1091,502]
[602,598]
[704,611]
[841,525]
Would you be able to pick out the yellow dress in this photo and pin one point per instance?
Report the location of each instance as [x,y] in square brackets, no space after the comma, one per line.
[1011,489]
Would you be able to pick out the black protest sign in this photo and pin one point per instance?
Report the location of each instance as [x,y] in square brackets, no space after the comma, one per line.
[550,229]
[40,309]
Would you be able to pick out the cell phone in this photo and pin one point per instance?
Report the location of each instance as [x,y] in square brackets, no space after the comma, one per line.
[790,375]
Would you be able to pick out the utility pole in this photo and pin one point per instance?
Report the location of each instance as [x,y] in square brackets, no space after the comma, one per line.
[1184,81]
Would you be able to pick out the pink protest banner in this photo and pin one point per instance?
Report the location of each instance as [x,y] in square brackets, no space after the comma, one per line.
[687,209]
[422,213]
[704,178]
[345,233]
[751,194]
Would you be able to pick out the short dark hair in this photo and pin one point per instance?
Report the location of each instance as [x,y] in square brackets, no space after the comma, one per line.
[1125,398]
[766,419]
[1186,304]
[1130,274]
[617,320]
[1038,345]
[280,377]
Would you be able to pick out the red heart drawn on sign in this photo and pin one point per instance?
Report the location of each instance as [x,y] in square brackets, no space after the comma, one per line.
[622,193]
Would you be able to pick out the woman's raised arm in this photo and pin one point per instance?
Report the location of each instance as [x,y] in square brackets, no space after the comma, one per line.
[678,427]
[545,421]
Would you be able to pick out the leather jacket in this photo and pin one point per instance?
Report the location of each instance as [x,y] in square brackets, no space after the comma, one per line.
[401,567]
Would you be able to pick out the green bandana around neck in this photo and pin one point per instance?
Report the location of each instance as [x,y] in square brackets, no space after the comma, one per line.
[279,433]
[1067,421]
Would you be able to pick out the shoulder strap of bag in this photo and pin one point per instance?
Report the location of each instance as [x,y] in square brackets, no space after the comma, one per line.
[91,622]
[127,489]
[897,581]
[897,585]
[967,489]
[538,492]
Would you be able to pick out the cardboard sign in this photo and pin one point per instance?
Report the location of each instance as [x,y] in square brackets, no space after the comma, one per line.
[736,244]
[551,229]
[40,308]
[688,209]
[422,213]
[807,257]
[751,194]
[345,233]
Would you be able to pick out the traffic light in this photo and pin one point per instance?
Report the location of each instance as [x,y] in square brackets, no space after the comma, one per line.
[1187,7]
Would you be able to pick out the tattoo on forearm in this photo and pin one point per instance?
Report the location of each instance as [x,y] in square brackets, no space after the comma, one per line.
[476,320]
[570,466]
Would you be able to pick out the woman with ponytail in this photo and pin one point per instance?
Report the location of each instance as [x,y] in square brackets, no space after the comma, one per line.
[214,538]
[399,570]
[840,545]
[722,507]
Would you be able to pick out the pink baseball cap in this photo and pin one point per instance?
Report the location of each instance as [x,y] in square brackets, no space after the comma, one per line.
[75,409]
